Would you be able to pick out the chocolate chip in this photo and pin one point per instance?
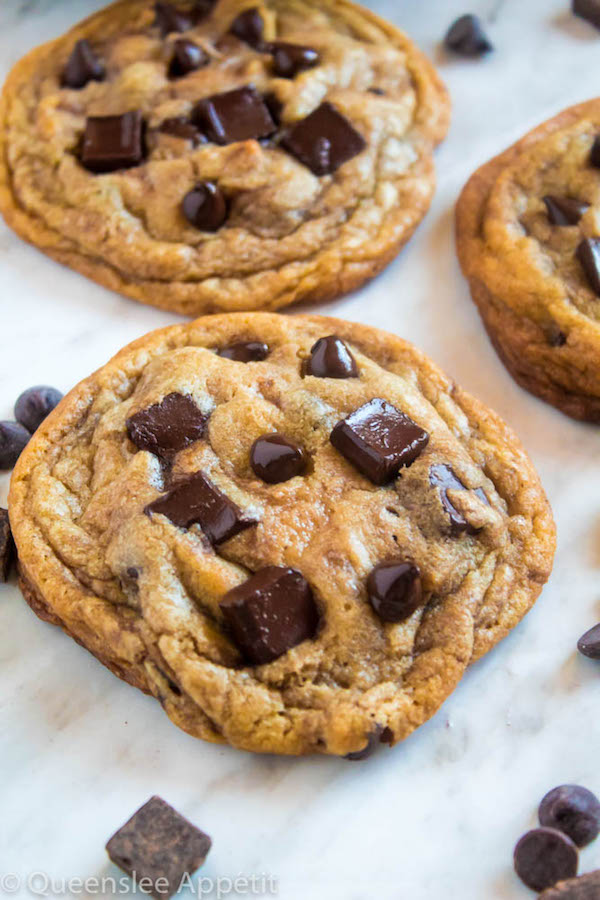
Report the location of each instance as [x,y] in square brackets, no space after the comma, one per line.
[586,887]
[556,337]
[237,115]
[158,844]
[588,10]
[324,140]
[595,153]
[187,57]
[544,856]
[249,27]
[443,477]
[331,358]
[197,501]
[271,612]
[589,643]
[377,91]
[394,590]
[167,427]
[245,351]
[13,440]
[202,8]
[289,59]
[379,440]
[588,254]
[82,66]
[274,458]
[170,19]
[7,546]
[375,737]
[564,210]
[205,206]
[113,142]
[180,127]
[467,37]
[573,810]
[34,404]
[274,105]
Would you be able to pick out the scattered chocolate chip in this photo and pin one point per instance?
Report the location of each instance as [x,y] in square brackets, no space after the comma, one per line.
[377,91]
[271,612]
[324,140]
[467,37]
[113,142]
[588,254]
[289,59]
[187,57]
[167,427]
[595,153]
[443,477]
[379,440]
[237,115]
[588,10]
[274,105]
[197,501]
[586,887]
[245,351]
[331,358]
[13,440]
[170,19]
[564,210]
[180,127]
[158,844]
[7,546]
[274,458]
[374,738]
[249,27]
[589,643]
[205,206]
[394,590]
[34,404]
[544,856]
[573,810]
[82,66]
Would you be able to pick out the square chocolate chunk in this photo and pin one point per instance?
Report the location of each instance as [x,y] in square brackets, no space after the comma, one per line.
[324,140]
[167,427]
[7,546]
[237,115]
[159,845]
[113,142]
[379,440]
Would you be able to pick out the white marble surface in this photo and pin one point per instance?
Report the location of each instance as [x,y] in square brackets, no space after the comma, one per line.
[438,816]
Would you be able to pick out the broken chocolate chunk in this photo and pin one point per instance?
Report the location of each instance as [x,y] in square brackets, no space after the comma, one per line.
[443,477]
[331,358]
[237,115]
[7,546]
[289,59]
[274,105]
[113,142]
[205,206]
[169,18]
[181,127]
[275,458]
[82,67]
[245,351]
[394,590]
[187,57]
[379,440]
[588,254]
[271,612]
[167,427]
[249,27]
[324,140]
[564,210]
[467,37]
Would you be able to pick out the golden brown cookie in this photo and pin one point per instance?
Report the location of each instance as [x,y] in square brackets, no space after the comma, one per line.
[255,155]
[527,236]
[295,532]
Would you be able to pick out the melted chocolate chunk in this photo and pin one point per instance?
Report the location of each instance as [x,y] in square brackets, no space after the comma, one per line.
[573,810]
[205,206]
[589,643]
[197,501]
[113,142]
[160,845]
[180,127]
[274,458]
[564,210]
[588,254]
[245,351]
[167,427]
[331,358]
[444,478]
[289,59]
[394,590]
[379,440]
[544,856]
[82,67]
[274,105]
[324,140]
[271,612]
[7,546]
[187,57]
[170,19]
[249,27]
[237,115]
[467,37]
[588,10]
[377,736]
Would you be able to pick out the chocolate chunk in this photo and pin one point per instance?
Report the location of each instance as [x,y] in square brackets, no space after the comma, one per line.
[205,206]
[586,887]
[573,810]
[467,37]
[158,844]
[544,856]
[7,546]
[202,9]
[444,478]
[324,140]
[169,18]
[589,643]
[394,590]
[271,612]
[331,358]
[595,153]
[245,351]
[556,337]
[564,210]
[588,10]
[113,142]
[588,254]
[167,427]
[377,736]
[249,27]
[237,115]
[180,127]
[197,501]
[274,105]
[275,458]
[187,57]
[82,66]
[34,404]
[289,59]
[379,440]
[13,439]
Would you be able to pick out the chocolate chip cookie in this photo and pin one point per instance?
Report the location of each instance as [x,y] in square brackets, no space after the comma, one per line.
[222,156]
[529,243]
[295,532]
